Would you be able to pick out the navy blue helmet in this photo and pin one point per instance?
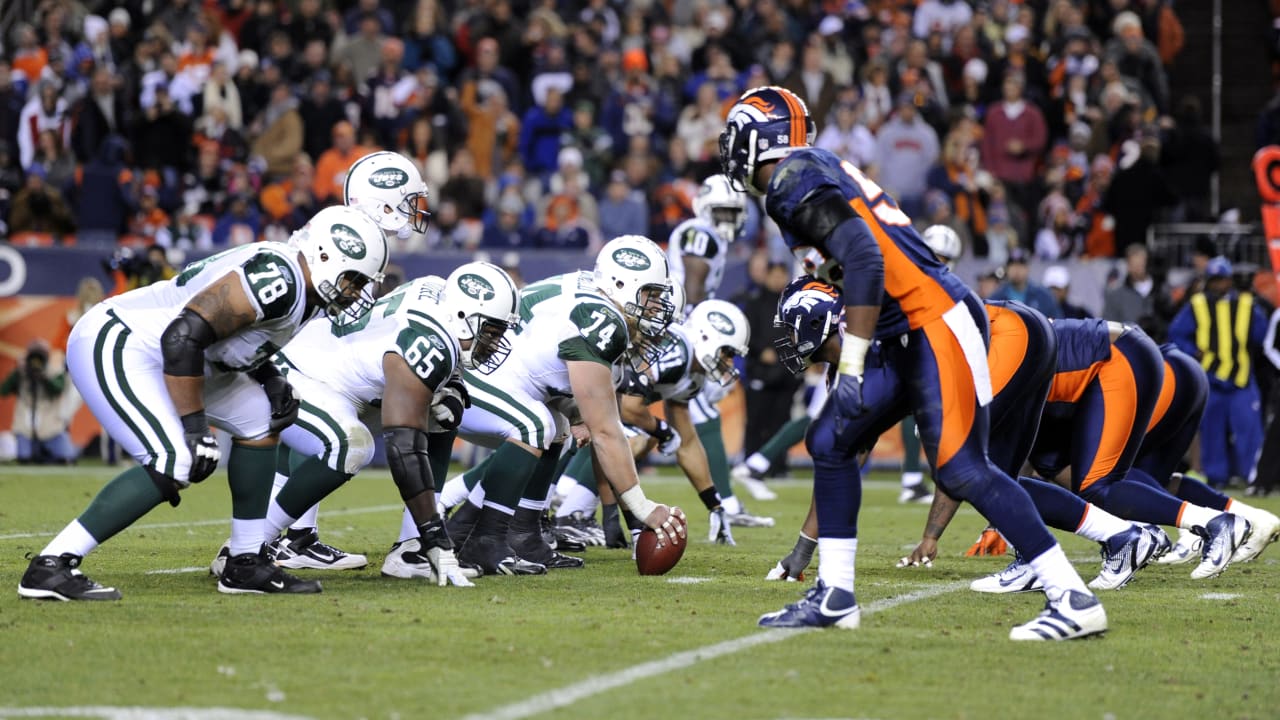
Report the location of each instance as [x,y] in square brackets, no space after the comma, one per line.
[809,312]
[765,124]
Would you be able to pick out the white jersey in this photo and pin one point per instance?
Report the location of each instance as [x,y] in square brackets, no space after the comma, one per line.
[348,359]
[697,239]
[272,279]
[675,376]
[562,318]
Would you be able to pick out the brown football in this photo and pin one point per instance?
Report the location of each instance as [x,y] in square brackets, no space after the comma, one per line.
[654,560]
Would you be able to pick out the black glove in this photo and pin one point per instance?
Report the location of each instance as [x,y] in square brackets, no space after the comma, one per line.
[668,439]
[448,405]
[202,445]
[284,406]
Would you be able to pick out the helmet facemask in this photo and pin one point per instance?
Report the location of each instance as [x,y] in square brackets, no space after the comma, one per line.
[653,310]
[414,208]
[350,299]
[488,344]
[794,354]
[719,366]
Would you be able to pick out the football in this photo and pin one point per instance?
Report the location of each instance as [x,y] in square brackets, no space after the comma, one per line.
[654,560]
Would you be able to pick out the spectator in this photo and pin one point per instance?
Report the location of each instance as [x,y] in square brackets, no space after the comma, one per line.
[10,183]
[448,232]
[163,135]
[1018,286]
[388,89]
[465,189]
[39,424]
[355,18]
[1056,239]
[212,129]
[331,168]
[812,82]
[120,40]
[57,163]
[493,131]
[1137,190]
[1135,57]
[1189,158]
[1224,329]
[1097,224]
[253,94]
[562,227]
[965,184]
[204,190]
[507,229]
[46,110]
[29,58]
[438,105]
[149,221]
[906,147]
[1020,58]
[429,42]
[11,103]
[541,132]
[239,225]
[322,111]
[281,133]
[178,16]
[188,233]
[989,282]
[1014,136]
[940,16]
[848,138]
[700,125]
[917,70]
[877,98]
[220,90]
[363,49]
[770,387]
[623,210]
[308,24]
[487,68]
[1057,278]
[429,156]
[40,208]
[290,202]
[1134,299]
[256,31]
[592,142]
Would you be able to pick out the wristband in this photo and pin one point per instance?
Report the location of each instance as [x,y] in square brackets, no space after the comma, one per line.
[195,423]
[637,503]
[853,355]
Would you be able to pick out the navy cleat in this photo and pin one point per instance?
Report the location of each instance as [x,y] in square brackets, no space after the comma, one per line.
[821,606]
[1074,615]
[1123,555]
[1018,577]
[1222,536]
[1163,543]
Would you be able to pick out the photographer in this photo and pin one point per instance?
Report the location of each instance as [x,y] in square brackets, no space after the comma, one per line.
[38,421]
[39,207]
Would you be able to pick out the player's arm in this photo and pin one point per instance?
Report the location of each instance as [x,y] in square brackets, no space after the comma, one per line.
[405,403]
[633,411]
[941,512]
[217,312]
[695,279]
[592,385]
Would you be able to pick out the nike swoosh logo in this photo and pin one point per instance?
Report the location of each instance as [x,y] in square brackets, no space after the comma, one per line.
[829,613]
[277,584]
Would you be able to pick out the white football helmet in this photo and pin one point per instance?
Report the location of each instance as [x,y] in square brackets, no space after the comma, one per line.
[717,326]
[390,188]
[632,272]
[479,301]
[943,241]
[346,254]
[720,206]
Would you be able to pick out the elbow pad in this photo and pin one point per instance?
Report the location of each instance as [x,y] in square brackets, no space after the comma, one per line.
[410,464]
[852,244]
[821,212]
[184,342]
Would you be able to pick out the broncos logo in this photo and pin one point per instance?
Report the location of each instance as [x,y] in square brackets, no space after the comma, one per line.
[759,103]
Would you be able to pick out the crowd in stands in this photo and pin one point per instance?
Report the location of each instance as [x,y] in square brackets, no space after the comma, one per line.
[1046,125]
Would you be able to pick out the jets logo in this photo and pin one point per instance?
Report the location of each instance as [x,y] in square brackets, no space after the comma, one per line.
[476,287]
[348,241]
[720,322]
[631,259]
[388,178]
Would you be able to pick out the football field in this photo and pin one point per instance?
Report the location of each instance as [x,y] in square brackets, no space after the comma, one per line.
[602,641]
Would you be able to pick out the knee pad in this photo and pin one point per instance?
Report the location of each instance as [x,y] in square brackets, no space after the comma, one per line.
[359,449]
[167,486]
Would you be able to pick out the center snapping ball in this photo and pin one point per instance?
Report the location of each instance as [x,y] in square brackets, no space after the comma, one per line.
[654,560]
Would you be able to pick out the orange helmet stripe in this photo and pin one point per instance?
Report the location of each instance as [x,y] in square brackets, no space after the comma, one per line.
[799,131]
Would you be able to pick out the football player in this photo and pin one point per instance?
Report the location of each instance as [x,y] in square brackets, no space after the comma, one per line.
[932,361]
[161,364]
[574,329]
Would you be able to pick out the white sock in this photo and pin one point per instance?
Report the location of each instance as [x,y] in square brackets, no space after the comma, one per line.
[500,508]
[835,561]
[1248,512]
[308,518]
[455,491]
[1099,525]
[551,494]
[1055,571]
[247,536]
[528,504]
[1195,516]
[73,540]
[759,463]
[731,505]
[476,496]
[278,483]
[277,520]
[408,528]
[578,499]
[912,479]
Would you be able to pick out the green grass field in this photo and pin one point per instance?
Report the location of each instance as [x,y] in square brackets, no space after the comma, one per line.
[602,641]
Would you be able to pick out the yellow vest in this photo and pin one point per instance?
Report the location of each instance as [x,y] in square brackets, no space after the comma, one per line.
[1222,336]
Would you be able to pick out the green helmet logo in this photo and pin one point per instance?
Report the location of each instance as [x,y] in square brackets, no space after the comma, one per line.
[348,241]
[720,322]
[388,178]
[631,259]
[476,287]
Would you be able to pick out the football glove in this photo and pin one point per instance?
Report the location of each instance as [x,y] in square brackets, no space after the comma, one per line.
[791,568]
[989,542]
[667,437]
[201,444]
[719,532]
[611,523]
[284,406]
[847,395]
[448,405]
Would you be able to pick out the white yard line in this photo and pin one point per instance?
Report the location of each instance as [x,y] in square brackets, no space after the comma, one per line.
[570,694]
[178,571]
[206,523]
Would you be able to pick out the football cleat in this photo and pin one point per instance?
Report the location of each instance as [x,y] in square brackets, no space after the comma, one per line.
[746,519]
[1017,577]
[255,574]
[1161,539]
[406,560]
[821,606]
[532,547]
[1123,555]
[1074,615]
[1266,530]
[1186,549]
[754,484]
[1222,536]
[494,556]
[220,560]
[917,493]
[581,526]
[58,577]
[299,550]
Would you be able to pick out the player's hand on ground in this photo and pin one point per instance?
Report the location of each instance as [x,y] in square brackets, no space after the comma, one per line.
[284,406]
[791,568]
[923,555]
[989,542]
[719,528]
[666,522]
[448,572]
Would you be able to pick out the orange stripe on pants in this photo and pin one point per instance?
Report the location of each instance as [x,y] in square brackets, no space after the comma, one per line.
[955,386]
[1120,403]
[1166,396]
[1008,349]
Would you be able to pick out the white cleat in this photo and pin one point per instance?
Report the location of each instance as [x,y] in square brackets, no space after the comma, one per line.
[1123,555]
[754,485]
[1016,578]
[1186,549]
[1074,615]
[406,560]
[307,552]
[1266,530]
[1223,535]
[917,493]
[746,519]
